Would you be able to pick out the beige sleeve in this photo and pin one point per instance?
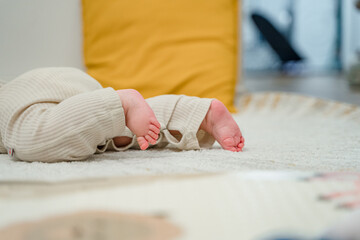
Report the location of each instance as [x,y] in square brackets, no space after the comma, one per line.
[58,114]
[175,112]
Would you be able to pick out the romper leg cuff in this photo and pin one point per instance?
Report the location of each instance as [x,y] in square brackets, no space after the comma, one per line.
[187,117]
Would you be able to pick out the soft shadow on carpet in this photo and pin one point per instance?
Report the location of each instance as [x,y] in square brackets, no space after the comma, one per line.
[282,132]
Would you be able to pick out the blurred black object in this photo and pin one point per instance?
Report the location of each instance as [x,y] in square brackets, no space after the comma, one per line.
[290,59]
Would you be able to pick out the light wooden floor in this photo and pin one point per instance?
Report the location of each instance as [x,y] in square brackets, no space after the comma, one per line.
[329,86]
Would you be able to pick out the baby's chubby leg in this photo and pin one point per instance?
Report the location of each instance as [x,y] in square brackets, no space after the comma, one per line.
[182,115]
[219,123]
[57,114]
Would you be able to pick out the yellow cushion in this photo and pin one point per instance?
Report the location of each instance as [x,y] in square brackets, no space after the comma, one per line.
[163,47]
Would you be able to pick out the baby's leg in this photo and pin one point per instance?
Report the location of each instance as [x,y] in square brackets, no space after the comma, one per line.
[58,114]
[191,122]
[176,114]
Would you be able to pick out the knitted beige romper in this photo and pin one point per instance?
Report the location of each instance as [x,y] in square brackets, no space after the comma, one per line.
[63,114]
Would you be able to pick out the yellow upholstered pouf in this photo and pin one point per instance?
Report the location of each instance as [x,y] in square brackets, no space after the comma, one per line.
[163,47]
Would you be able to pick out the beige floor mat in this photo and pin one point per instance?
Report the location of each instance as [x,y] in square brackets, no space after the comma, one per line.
[282,132]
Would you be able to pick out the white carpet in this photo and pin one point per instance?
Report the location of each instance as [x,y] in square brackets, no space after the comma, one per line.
[282,132]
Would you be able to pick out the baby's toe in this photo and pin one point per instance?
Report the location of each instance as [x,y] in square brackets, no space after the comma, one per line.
[142,143]
[233,149]
[153,135]
[155,123]
[150,139]
[154,129]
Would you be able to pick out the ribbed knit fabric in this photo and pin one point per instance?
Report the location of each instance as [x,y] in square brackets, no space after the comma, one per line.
[184,114]
[62,114]
[56,114]
[174,112]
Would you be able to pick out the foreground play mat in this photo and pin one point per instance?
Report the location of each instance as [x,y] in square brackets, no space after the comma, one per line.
[205,194]
[251,205]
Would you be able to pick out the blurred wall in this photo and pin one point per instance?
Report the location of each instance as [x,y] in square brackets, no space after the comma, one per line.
[39,33]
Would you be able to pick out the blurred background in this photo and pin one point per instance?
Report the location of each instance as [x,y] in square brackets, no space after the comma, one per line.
[316,29]
[320,57]
[322,53]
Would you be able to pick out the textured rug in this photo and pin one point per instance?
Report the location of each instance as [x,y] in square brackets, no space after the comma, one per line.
[282,132]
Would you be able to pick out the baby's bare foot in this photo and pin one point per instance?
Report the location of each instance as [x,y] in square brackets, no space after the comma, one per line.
[139,117]
[221,125]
